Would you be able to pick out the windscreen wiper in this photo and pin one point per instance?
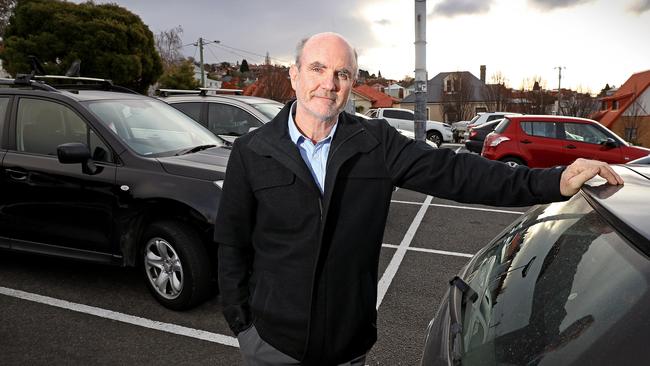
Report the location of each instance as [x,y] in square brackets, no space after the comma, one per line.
[455,326]
[194,149]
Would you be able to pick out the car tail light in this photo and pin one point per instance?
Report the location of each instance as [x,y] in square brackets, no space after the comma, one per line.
[497,140]
[472,133]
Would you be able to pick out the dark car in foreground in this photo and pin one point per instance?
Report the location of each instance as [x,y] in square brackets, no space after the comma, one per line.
[566,284]
[474,142]
[226,115]
[546,141]
[94,173]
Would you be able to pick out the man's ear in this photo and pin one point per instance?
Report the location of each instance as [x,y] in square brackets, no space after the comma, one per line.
[293,75]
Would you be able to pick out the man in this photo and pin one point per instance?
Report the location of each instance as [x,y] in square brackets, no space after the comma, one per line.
[305,202]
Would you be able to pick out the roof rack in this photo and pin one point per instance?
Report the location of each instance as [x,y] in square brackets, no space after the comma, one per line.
[199,91]
[39,83]
[77,83]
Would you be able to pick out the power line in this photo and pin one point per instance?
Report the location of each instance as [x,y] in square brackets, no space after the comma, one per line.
[253,53]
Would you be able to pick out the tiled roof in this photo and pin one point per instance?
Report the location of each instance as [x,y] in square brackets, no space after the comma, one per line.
[625,95]
[379,99]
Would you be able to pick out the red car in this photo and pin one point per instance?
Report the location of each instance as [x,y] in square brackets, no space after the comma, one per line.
[546,141]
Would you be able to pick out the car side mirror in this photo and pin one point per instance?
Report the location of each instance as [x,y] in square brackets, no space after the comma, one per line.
[610,142]
[77,153]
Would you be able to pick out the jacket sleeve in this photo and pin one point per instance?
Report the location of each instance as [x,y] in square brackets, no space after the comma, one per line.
[233,230]
[466,178]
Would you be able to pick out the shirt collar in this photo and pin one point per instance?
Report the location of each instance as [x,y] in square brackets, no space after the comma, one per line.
[294,132]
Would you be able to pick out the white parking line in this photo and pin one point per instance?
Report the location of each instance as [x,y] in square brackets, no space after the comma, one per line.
[461,207]
[390,271]
[433,251]
[121,317]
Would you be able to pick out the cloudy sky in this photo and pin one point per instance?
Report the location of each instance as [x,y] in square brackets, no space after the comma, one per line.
[597,41]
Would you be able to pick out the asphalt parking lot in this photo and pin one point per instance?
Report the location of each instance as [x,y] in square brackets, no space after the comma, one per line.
[55,311]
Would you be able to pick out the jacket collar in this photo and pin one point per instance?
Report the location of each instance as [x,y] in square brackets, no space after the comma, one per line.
[350,138]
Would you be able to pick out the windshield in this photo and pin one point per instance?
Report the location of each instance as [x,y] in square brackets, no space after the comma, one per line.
[150,127]
[474,119]
[270,110]
[550,288]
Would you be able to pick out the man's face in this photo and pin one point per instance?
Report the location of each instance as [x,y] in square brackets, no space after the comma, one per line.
[325,77]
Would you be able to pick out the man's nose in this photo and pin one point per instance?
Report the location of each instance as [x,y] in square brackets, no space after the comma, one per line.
[330,82]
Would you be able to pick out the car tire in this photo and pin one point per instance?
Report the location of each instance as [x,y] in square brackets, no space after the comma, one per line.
[175,265]
[435,137]
[513,162]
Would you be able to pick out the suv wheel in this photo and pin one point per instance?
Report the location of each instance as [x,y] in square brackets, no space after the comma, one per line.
[175,265]
[435,137]
[513,162]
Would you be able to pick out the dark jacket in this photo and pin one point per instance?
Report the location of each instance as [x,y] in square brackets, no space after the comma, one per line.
[303,267]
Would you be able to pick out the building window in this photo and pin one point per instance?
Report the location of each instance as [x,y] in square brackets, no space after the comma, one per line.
[615,104]
[603,105]
[630,133]
[448,86]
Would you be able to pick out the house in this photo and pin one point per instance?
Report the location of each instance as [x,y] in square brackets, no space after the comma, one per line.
[209,83]
[365,97]
[454,96]
[396,91]
[627,111]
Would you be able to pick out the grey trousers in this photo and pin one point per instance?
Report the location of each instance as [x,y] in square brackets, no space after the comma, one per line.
[256,352]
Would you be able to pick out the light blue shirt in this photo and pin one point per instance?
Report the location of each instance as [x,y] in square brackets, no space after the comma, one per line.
[314,155]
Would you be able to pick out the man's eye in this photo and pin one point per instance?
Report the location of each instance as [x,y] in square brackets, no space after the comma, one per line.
[343,76]
[316,68]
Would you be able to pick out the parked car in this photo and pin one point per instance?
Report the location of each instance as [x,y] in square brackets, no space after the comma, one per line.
[110,177]
[565,284]
[228,116]
[406,133]
[474,142]
[437,132]
[462,128]
[545,141]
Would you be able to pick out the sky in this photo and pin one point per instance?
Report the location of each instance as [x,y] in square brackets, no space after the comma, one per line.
[596,42]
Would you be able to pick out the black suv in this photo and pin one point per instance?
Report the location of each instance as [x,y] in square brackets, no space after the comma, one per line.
[95,173]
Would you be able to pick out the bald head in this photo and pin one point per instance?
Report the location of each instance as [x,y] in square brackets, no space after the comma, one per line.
[316,39]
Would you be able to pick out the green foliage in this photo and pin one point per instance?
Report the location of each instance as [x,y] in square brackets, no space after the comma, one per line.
[244,67]
[110,41]
[179,76]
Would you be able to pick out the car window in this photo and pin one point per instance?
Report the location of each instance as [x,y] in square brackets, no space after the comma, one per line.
[549,288]
[4,105]
[391,113]
[372,113]
[584,133]
[270,110]
[193,110]
[502,125]
[493,117]
[150,127]
[224,119]
[540,129]
[42,125]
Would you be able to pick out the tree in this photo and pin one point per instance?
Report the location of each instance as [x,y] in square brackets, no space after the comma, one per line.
[273,83]
[244,66]
[6,10]
[578,104]
[179,76]
[497,92]
[110,41]
[168,44]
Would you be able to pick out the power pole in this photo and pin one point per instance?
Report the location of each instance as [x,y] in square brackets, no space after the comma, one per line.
[200,44]
[559,88]
[420,70]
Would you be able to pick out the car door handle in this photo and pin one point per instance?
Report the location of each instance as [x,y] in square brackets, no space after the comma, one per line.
[17,174]
[526,142]
[570,146]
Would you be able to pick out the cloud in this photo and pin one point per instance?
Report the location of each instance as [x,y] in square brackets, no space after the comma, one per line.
[257,26]
[382,22]
[639,6]
[557,4]
[451,8]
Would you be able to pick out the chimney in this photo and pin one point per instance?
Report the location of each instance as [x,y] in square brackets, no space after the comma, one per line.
[483,73]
